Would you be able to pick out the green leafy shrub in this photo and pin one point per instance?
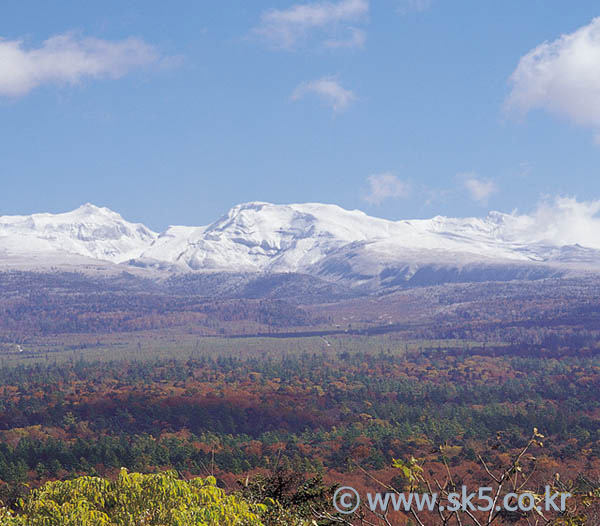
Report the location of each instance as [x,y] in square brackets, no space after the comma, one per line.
[133,499]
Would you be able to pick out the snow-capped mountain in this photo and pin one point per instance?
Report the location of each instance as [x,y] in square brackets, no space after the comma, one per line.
[266,237]
[318,239]
[88,231]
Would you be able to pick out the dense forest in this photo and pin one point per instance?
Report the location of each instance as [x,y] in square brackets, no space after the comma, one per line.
[233,417]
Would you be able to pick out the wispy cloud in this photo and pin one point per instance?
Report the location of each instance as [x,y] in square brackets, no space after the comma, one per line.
[329,90]
[479,189]
[562,77]
[356,39]
[525,169]
[286,27]
[384,186]
[67,59]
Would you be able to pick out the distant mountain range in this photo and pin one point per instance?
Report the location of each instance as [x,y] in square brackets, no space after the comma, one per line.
[324,241]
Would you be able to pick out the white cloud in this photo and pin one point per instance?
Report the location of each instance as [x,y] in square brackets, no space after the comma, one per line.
[479,189]
[286,27]
[356,39]
[68,59]
[329,90]
[562,77]
[385,186]
[558,221]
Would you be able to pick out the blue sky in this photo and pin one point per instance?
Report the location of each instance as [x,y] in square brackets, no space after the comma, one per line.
[170,113]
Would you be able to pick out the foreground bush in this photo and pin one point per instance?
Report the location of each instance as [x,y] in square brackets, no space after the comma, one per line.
[133,500]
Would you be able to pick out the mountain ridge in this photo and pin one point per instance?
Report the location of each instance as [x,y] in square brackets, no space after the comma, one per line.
[323,240]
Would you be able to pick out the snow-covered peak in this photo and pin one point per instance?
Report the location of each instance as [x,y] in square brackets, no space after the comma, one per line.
[269,237]
[89,230]
[91,210]
[265,220]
